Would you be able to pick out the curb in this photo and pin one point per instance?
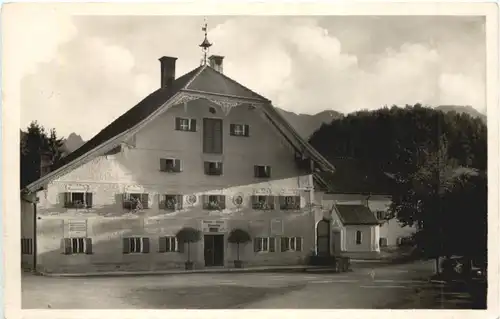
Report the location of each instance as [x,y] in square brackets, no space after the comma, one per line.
[182,272]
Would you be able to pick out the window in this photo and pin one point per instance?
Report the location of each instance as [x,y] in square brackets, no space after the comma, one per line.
[77,245]
[214,202]
[186,125]
[291,243]
[135,245]
[264,244]
[262,171]
[77,200]
[170,165]
[289,202]
[262,202]
[239,130]
[168,244]
[212,136]
[382,242]
[358,237]
[381,214]
[171,202]
[135,201]
[213,168]
[26,246]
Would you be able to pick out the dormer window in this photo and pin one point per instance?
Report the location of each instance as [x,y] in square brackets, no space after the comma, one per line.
[213,168]
[262,171]
[170,165]
[239,130]
[187,125]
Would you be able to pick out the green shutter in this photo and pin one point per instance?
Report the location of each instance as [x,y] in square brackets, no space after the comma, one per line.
[88,200]
[145,200]
[67,199]
[163,164]
[145,245]
[88,246]
[177,123]
[256,171]
[272,244]
[298,244]
[284,241]
[221,168]
[193,125]
[247,130]
[207,168]
[268,171]
[126,245]
[177,165]
[222,201]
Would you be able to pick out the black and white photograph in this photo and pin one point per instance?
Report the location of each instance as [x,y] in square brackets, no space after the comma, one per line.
[251,161]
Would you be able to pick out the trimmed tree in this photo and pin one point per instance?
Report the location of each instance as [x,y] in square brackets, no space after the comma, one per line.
[238,236]
[188,235]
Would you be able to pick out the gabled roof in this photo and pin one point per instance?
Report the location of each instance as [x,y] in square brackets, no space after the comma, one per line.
[356,215]
[202,79]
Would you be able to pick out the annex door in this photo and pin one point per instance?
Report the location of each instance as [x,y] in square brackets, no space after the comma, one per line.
[214,250]
[323,238]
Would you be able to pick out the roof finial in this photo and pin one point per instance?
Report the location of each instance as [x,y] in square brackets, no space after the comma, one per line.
[205,45]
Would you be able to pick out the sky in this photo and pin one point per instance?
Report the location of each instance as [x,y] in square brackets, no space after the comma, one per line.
[79,73]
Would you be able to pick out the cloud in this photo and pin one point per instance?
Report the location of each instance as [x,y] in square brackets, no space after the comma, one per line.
[96,74]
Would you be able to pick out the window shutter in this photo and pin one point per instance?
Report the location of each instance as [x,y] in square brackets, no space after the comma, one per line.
[207,168]
[145,200]
[88,200]
[256,171]
[163,164]
[222,202]
[231,129]
[193,125]
[272,244]
[268,171]
[208,138]
[205,201]
[145,245]
[247,130]
[179,199]
[67,199]
[126,245]
[162,244]
[221,168]
[177,165]
[125,202]
[217,136]
[284,241]
[177,123]
[256,244]
[282,200]
[298,243]
[66,246]
[270,201]
[88,246]
[297,202]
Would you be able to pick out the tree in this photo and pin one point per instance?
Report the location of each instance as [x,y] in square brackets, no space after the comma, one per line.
[238,236]
[35,142]
[188,235]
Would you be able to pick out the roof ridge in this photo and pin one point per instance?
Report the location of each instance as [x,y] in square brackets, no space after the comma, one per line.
[194,77]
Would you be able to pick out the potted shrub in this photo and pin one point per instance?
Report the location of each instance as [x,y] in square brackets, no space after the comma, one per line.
[238,236]
[188,235]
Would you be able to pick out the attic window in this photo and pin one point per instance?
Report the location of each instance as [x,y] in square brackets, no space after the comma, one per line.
[170,165]
[239,130]
[187,125]
[262,171]
[213,168]
[77,200]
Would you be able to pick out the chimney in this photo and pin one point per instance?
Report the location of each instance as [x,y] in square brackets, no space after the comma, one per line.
[167,71]
[216,62]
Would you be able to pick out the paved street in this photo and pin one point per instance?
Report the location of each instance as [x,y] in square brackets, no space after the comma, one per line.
[368,286]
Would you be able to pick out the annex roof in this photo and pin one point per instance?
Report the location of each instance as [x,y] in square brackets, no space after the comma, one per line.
[356,215]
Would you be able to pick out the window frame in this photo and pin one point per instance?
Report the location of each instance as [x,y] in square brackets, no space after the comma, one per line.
[178,205]
[220,198]
[127,200]
[266,168]
[168,248]
[257,206]
[359,237]
[72,203]
[191,126]
[132,241]
[174,168]
[244,132]
[286,206]
[291,244]
[26,246]
[77,246]
[219,168]
[267,240]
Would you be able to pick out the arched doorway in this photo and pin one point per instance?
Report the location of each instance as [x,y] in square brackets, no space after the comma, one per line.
[323,238]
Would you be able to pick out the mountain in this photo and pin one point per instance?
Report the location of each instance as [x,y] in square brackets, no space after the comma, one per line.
[72,143]
[306,124]
[462,109]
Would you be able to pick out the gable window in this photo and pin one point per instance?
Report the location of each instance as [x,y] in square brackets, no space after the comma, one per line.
[261,202]
[168,244]
[170,165]
[27,246]
[78,245]
[77,200]
[214,202]
[264,244]
[171,202]
[358,237]
[239,130]
[289,202]
[213,168]
[212,136]
[291,243]
[262,171]
[135,245]
[186,125]
[136,201]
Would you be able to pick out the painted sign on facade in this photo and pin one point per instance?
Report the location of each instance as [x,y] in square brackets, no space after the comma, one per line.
[210,226]
[77,228]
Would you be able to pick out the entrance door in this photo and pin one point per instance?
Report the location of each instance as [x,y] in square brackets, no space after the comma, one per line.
[214,250]
[323,238]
